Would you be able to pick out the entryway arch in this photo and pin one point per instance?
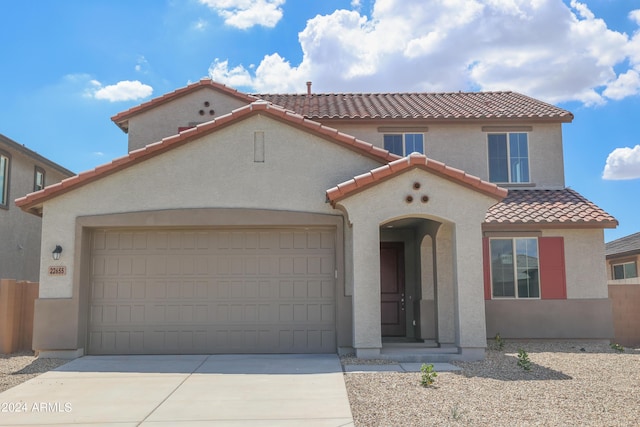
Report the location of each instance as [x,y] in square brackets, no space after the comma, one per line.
[416,281]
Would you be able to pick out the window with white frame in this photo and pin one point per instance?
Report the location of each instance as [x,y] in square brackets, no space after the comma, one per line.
[508,157]
[404,144]
[38,179]
[515,268]
[625,270]
[4,180]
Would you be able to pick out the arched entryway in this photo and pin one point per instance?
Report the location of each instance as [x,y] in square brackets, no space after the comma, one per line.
[410,288]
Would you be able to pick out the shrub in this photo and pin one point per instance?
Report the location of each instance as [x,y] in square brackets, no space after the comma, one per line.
[499,342]
[523,360]
[617,347]
[428,375]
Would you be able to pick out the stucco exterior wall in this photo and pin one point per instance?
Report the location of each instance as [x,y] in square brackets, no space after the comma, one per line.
[19,231]
[164,120]
[587,311]
[449,203]
[585,278]
[217,170]
[464,146]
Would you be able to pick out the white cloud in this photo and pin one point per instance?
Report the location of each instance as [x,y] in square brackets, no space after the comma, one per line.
[142,65]
[237,77]
[125,90]
[245,14]
[626,84]
[544,48]
[623,163]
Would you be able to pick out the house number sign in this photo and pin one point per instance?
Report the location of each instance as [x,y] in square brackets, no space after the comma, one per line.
[57,270]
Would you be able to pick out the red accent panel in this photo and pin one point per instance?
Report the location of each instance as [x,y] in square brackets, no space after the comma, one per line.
[553,281]
[486,262]
[182,128]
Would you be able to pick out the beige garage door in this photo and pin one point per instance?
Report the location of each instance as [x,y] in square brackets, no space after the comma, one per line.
[212,291]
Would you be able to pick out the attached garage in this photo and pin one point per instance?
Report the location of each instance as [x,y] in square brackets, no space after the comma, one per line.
[218,290]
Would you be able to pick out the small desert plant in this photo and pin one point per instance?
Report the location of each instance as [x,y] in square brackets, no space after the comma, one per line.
[428,375]
[523,360]
[617,347]
[499,342]
[456,412]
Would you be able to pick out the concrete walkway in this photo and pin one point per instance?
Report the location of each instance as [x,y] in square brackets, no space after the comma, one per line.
[154,391]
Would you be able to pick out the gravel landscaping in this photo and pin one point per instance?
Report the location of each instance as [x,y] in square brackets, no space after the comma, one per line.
[19,367]
[569,384]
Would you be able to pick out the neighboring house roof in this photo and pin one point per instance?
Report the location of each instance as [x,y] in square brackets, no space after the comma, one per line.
[424,106]
[32,202]
[122,119]
[624,246]
[35,156]
[415,160]
[565,208]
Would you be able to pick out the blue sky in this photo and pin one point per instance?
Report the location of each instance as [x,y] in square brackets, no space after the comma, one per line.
[68,66]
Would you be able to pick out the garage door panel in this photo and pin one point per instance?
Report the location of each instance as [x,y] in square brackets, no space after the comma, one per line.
[212,291]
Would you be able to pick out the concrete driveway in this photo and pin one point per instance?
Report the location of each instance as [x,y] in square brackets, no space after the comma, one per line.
[216,390]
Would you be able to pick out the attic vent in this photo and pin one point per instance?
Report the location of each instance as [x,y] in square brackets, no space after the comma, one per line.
[203,112]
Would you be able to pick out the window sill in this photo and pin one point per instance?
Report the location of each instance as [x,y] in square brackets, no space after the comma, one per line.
[515,185]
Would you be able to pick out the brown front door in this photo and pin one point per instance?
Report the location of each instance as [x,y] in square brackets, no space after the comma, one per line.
[392,289]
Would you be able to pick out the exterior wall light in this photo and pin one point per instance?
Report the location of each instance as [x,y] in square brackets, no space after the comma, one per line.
[56,252]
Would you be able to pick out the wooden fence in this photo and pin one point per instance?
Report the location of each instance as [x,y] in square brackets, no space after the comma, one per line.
[625,300]
[16,315]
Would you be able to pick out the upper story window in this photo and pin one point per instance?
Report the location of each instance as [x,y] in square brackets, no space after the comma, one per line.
[38,179]
[404,144]
[4,180]
[508,157]
[515,268]
[625,270]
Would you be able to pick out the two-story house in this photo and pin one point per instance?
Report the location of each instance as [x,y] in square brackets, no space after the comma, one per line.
[22,171]
[314,222]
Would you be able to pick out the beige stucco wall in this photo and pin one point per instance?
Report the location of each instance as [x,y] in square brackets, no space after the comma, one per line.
[587,311]
[20,231]
[449,203]
[585,278]
[464,146]
[215,171]
[165,119]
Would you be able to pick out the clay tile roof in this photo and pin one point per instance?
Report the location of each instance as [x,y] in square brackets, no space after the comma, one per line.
[431,106]
[628,245]
[32,202]
[564,208]
[415,160]
[122,119]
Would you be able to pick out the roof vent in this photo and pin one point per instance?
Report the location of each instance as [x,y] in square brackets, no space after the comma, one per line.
[308,88]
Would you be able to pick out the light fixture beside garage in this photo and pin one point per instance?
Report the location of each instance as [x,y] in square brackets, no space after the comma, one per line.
[57,252]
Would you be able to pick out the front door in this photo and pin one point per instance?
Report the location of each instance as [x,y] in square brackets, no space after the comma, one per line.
[392,289]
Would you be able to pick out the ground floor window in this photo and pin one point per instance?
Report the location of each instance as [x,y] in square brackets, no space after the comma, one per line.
[515,268]
[625,270]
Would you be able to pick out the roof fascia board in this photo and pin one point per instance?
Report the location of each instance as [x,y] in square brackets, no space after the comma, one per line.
[528,226]
[121,119]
